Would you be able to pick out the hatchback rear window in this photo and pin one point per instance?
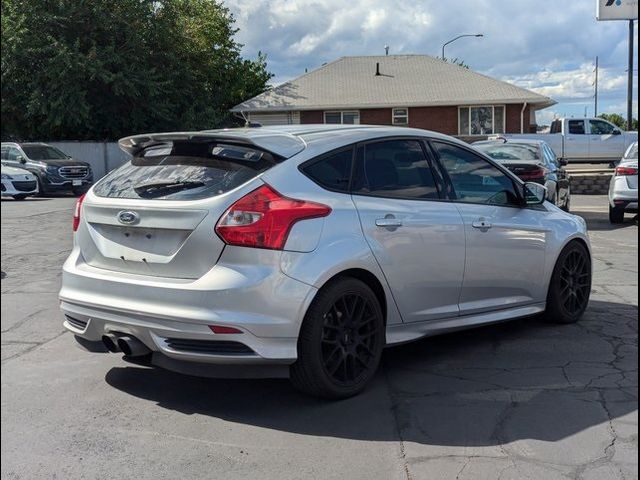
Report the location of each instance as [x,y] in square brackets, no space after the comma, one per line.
[185,171]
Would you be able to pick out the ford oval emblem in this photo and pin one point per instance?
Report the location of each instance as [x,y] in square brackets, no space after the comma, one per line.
[127,217]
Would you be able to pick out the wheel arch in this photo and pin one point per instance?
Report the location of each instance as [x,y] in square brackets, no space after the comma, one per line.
[368,279]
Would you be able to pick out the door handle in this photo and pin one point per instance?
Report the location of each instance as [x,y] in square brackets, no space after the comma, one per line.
[389,221]
[481,223]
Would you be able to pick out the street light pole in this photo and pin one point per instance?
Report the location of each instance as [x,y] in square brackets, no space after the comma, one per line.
[457,38]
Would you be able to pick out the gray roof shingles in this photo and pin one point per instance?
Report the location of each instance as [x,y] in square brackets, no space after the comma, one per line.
[405,81]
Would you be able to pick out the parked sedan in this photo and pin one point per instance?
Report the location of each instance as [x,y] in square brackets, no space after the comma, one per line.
[54,170]
[18,183]
[623,190]
[532,161]
[303,251]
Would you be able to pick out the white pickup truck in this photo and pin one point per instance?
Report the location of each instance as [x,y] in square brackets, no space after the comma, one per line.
[584,140]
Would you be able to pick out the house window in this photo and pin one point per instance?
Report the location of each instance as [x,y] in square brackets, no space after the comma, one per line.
[481,120]
[400,116]
[346,117]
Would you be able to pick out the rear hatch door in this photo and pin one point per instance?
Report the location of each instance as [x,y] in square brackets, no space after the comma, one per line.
[156,215]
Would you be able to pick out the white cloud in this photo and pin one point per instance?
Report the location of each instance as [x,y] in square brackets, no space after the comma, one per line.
[577,83]
[537,45]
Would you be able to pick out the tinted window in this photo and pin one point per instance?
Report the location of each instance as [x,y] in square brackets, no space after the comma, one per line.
[600,127]
[395,168]
[474,179]
[185,171]
[510,151]
[43,152]
[576,127]
[333,171]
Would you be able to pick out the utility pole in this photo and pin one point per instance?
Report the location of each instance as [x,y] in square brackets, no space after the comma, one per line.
[630,79]
[596,95]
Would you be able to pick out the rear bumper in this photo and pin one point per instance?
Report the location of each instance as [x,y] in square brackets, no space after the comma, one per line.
[621,196]
[266,305]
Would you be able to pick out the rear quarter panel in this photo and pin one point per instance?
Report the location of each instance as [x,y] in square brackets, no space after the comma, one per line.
[338,239]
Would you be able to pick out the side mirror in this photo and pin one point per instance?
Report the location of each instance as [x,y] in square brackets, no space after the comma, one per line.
[534,194]
[563,162]
[617,132]
[21,159]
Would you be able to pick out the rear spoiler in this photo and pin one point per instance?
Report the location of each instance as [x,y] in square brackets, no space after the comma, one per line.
[281,144]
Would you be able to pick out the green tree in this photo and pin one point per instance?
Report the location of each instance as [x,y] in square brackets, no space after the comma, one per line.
[619,121]
[101,69]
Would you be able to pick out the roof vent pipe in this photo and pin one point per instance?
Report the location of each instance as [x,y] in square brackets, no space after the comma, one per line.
[377,69]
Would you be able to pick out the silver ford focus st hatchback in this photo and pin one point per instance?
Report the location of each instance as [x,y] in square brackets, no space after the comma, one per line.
[303,251]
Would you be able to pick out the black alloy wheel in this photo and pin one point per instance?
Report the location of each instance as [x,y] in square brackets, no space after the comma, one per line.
[575,282]
[570,287]
[340,341]
[349,338]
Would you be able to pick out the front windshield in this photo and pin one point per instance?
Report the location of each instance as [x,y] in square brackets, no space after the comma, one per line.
[43,152]
[507,152]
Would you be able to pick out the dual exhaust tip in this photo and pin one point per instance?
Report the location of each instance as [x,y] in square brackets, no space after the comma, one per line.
[127,344]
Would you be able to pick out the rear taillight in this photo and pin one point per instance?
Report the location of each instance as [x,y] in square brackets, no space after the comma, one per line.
[76,213]
[536,174]
[263,219]
[625,171]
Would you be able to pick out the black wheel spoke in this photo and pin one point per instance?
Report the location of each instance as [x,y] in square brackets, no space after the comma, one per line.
[575,282]
[349,338]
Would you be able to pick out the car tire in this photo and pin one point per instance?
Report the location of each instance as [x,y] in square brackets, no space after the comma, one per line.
[340,341]
[19,197]
[567,202]
[570,286]
[616,215]
[39,186]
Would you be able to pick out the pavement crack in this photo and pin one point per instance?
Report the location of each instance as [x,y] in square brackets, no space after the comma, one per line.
[394,411]
[34,346]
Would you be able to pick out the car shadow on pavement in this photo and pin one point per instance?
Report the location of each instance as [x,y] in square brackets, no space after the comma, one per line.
[599,221]
[489,386]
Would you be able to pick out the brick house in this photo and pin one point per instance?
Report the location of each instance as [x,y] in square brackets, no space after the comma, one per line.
[405,90]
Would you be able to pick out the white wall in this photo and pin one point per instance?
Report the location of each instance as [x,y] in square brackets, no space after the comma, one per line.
[102,156]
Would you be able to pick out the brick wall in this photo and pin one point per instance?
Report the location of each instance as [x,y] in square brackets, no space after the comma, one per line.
[376,116]
[513,118]
[312,116]
[438,119]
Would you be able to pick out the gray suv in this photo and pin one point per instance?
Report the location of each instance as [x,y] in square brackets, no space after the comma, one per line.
[54,170]
[303,251]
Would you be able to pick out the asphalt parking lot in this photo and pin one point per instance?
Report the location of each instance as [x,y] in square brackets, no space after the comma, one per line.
[519,400]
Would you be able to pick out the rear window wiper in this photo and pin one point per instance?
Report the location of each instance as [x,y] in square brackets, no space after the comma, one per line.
[151,190]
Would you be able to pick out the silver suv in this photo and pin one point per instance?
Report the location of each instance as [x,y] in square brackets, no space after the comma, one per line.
[303,251]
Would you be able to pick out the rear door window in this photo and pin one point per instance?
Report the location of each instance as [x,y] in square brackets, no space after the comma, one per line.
[576,127]
[185,171]
[395,169]
[332,171]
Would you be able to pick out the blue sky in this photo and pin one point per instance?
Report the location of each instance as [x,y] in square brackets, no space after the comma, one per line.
[547,46]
